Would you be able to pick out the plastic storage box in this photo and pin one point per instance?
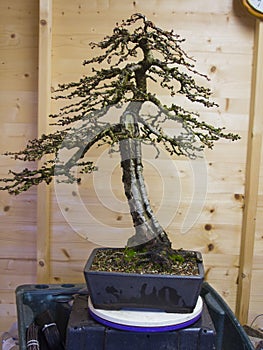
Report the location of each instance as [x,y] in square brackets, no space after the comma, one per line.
[34,299]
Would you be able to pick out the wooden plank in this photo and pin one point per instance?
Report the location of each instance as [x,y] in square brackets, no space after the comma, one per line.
[18,109]
[6,320]
[252,180]
[19,32]
[44,88]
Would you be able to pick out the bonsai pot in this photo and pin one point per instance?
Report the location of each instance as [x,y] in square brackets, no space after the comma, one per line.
[164,292]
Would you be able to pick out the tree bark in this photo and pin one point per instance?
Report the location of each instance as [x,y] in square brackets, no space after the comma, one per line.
[147,228]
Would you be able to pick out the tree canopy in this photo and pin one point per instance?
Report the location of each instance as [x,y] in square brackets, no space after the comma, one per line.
[137,52]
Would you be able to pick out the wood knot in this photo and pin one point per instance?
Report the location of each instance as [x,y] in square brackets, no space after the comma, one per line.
[43,22]
[213,69]
[6,208]
[66,253]
[210,247]
[208,227]
[41,263]
[238,196]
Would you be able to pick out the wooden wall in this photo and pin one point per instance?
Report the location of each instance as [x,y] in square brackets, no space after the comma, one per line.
[220,36]
[18,117]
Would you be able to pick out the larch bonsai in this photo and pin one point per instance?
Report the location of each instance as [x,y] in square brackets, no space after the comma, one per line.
[137,52]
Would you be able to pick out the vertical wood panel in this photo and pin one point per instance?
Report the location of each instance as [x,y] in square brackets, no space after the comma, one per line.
[18,119]
[252,180]
[44,87]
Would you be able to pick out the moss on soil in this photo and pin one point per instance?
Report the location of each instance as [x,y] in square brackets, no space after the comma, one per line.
[128,260]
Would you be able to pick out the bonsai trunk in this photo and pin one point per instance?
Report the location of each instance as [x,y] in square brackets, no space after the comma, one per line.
[148,232]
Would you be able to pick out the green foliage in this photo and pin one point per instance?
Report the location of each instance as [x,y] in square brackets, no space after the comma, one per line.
[129,254]
[177,258]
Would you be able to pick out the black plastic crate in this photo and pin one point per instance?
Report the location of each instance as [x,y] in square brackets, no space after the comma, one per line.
[85,333]
[31,300]
[34,299]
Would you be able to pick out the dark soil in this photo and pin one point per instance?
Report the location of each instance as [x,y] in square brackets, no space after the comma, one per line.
[183,263]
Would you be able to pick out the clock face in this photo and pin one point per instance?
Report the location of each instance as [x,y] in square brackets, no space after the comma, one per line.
[256,5]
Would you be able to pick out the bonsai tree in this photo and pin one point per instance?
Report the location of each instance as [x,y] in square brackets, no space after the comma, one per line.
[136,53]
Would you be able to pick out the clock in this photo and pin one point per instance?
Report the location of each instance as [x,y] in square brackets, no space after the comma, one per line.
[254,7]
